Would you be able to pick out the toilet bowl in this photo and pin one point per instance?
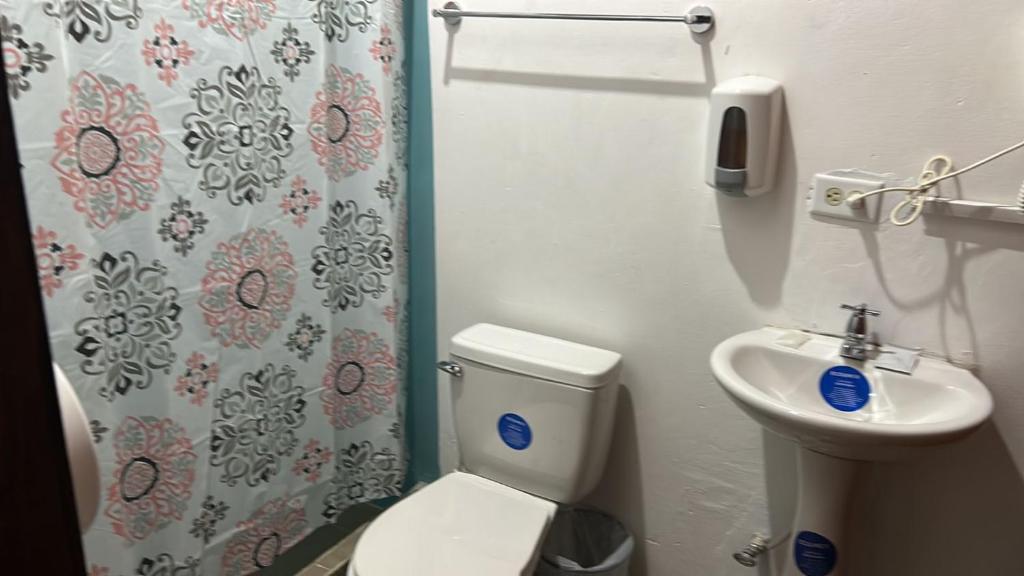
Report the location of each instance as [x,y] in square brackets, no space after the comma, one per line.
[533,418]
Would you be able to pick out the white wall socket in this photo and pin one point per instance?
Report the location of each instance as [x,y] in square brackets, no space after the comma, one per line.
[830,191]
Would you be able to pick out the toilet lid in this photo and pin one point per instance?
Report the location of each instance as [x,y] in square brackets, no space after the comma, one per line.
[459,525]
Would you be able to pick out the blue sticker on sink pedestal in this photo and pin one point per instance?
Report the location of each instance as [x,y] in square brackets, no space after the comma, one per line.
[815,555]
[845,388]
[515,431]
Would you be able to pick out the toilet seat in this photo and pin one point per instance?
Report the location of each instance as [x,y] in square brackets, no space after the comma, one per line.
[461,524]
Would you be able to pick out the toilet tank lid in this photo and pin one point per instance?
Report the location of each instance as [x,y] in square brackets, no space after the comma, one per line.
[536,355]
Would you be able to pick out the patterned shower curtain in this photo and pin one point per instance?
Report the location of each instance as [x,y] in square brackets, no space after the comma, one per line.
[217,196]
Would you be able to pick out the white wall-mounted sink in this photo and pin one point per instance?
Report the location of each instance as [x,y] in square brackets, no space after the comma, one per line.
[840,411]
[780,387]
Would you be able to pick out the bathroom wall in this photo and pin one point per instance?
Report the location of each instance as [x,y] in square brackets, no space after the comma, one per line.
[570,201]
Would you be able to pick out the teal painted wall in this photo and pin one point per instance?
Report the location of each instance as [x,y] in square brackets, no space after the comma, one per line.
[422,385]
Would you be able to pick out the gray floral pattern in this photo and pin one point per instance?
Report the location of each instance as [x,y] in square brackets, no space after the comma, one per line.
[305,337]
[204,526]
[82,17]
[337,18]
[387,188]
[291,52]
[362,473]
[130,335]
[182,225]
[400,118]
[254,426]
[165,565]
[21,58]
[239,135]
[355,258]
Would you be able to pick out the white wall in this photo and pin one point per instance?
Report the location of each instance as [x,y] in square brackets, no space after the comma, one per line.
[570,201]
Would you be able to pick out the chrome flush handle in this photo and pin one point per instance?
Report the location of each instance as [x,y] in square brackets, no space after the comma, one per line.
[453,368]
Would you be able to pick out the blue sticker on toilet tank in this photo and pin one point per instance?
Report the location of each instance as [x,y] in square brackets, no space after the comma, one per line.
[845,388]
[815,555]
[514,431]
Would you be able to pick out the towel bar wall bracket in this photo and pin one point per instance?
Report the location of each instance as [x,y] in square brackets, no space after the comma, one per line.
[700,19]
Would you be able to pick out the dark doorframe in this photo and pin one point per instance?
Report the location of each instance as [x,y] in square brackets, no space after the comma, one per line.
[38,524]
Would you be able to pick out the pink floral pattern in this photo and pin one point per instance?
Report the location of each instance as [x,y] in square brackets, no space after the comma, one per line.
[391,313]
[198,378]
[384,49]
[166,52]
[361,379]
[53,259]
[248,288]
[314,457]
[109,153]
[346,125]
[272,529]
[238,19]
[153,477]
[299,201]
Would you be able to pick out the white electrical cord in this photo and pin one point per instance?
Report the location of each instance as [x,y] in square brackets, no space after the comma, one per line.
[935,170]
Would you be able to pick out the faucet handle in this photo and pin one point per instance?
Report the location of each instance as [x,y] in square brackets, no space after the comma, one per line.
[861,309]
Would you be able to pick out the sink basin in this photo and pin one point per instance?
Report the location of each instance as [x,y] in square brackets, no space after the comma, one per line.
[779,386]
[841,412]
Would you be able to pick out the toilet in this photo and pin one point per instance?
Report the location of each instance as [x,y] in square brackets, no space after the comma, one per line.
[533,418]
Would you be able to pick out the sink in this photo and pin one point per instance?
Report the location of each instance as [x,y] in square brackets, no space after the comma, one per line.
[841,412]
[779,387]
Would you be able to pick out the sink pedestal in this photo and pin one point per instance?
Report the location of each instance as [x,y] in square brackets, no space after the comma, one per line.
[816,546]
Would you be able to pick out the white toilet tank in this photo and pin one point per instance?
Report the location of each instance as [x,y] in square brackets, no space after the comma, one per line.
[533,412]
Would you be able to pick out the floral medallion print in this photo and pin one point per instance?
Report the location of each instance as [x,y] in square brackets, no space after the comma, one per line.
[182,225]
[166,52]
[21,58]
[239,135]
[291,52]
[254,426]
[129,337]
[314,457]
[361,379]
[97,430]
[237,19]
[81,18]
[299,201]
[271,530]
[337,18]
[346,126]
[109,154]
[212,511]
[355,257]
[387,188]
[248,288]
[200,375]
[153,477]
[362,473]
[305,337]
[384,49]
[53,260]
[400,118]
[165,565]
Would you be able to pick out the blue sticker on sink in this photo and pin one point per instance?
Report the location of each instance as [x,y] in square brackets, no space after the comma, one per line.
[514,431]
[815,555]
[845,388]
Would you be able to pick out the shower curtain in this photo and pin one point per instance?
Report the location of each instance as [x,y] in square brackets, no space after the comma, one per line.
[216,190]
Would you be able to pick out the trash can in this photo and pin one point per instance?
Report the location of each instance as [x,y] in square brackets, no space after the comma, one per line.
[585,541]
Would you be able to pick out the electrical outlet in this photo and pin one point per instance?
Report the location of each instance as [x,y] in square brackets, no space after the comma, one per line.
[828,197]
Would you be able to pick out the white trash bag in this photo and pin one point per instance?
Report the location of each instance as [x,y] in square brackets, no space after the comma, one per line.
[585,541]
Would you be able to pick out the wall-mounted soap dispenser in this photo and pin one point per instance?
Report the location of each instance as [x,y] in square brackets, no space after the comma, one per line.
[743,135]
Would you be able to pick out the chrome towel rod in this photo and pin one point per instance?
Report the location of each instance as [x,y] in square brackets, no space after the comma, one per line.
[700,19]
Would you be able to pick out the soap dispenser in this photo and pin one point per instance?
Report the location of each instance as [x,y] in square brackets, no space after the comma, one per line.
[743,136]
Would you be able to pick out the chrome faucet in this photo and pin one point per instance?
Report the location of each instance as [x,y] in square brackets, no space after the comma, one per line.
[855,344]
